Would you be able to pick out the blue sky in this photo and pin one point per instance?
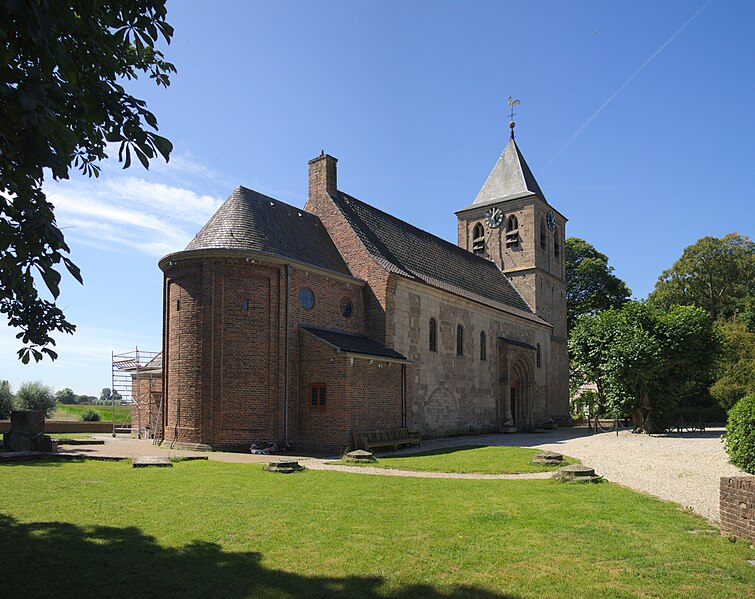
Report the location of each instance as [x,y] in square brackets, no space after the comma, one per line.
[635,117]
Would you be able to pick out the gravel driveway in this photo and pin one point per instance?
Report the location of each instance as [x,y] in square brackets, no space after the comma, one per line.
[682,468]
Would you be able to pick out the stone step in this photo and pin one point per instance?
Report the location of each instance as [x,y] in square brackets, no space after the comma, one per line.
[144,461]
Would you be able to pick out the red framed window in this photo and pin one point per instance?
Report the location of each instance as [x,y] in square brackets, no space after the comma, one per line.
[317,396]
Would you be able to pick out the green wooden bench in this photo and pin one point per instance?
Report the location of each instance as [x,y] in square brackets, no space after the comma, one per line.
[391,438]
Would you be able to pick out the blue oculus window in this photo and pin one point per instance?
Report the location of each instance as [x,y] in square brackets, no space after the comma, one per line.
[306,298]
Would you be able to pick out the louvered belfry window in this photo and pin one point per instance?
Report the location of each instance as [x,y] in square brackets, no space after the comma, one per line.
[512,232]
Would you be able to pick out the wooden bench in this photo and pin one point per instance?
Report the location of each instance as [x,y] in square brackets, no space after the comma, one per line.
[391,438]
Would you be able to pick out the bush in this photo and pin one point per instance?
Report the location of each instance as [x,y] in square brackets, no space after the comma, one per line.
[6,400]
[91,415]
[36,396]
[740,434]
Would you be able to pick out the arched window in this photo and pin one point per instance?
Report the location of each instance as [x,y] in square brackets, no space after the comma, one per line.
[483,346]
[543,234]
[539,361]
[512,232]
[433,336]
[459,340]
[478,239]
[556,247]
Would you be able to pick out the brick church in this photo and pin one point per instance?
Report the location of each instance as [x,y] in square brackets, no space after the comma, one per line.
[303,325]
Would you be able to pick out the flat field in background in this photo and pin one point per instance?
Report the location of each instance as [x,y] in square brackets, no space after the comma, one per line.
[74,411]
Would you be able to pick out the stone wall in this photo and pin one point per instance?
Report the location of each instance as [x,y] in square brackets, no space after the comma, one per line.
[737,505]
[454,394]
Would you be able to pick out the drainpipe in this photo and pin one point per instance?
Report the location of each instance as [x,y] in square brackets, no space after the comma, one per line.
[403,396]
[286,359]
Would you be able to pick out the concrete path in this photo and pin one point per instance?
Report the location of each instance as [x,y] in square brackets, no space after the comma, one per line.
[682,468]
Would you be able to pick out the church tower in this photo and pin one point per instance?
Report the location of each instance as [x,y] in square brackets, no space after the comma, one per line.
[512,224]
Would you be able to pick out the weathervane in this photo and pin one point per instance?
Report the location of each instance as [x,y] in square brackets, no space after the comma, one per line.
[512,124]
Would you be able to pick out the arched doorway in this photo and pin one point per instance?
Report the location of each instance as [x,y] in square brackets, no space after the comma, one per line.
[520,383]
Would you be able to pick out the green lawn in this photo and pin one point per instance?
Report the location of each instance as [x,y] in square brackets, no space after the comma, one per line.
[203,529]
[73,412]
[479,459]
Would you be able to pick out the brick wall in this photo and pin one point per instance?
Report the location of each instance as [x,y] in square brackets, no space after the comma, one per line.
[225,345]
[377,299]
[737,505]
[360,396]
[146,390]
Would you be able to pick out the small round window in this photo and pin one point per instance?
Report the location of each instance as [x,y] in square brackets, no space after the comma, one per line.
[306,298]
[347,308]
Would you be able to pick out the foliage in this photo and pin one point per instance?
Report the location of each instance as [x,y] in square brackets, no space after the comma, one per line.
[6,400]
[736,368]
[584,404]
[105,394]
[740,434]
[91,415]
[591,285]
[62,101]
[715,274]
[66,396]
[643,360]
[35,395]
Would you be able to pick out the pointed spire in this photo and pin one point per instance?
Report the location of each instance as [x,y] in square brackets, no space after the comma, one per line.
[510,178]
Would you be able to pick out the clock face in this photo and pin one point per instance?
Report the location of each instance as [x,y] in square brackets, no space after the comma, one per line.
[551,220]
[494,217]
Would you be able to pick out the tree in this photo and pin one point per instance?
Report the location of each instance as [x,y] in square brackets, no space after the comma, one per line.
[105,395]
[717,275]
[6,400]
[591,285]
[736,367]
[66,396]
[643,360]
[61,102]
[36,396]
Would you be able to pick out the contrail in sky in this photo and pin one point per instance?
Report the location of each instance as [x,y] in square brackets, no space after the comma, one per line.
[594,115]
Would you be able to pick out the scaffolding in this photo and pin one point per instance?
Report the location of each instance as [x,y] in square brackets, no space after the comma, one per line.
[137,379]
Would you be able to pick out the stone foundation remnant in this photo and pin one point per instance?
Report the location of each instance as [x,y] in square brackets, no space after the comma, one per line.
[548,458]
[576,473]
[359,456]
[286,467]
[143,461]
[27,432]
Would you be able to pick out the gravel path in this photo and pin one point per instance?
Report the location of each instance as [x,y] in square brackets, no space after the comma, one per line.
[321,465]
[682,468]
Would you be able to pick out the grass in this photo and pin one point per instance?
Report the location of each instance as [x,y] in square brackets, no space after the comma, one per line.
[70,436]
[478,459]
[231,530]
[73,412]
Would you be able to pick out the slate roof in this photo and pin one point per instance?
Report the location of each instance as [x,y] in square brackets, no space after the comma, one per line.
[411,252]
[249,220]
[354,343]
[517,342]
[511,178]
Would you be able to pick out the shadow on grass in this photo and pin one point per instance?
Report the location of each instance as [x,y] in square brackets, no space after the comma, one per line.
[426,452]
[56,559]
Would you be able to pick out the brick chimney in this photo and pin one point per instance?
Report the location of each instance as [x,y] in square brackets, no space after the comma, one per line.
[322,175]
